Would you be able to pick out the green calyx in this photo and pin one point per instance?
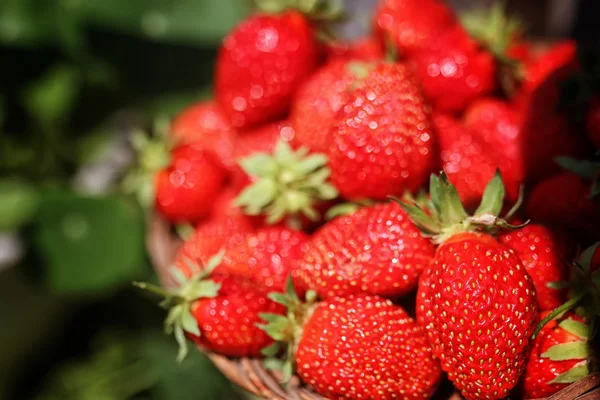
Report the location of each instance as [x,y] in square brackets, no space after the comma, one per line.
[286,329]
[179,302]
[153,154]
[494,29]
[289,183]
[315,10]
[587,169]
[443,215]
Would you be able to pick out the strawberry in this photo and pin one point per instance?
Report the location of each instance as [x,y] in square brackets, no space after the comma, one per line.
[218,313]
[593,122]
[412,25]
[546,133]
[259,140]
[564,201]
[377,250]
[357,347]
[185,189]
[468,162]
[205,122]
[317,101]
[368,48]
[268,256]
[544,254]
[454,70]
[475,299]
[260,65]
[559,356]
[288,184]
[382,141]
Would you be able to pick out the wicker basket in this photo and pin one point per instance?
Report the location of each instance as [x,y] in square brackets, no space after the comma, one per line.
[251,375]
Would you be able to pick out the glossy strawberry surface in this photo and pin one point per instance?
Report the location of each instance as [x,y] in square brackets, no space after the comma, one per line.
[260,65]
[184,190]
[364,347]
[376,250]
[382,143]
[478,305]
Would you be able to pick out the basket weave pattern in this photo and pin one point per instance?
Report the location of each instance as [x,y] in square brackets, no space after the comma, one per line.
[251,375]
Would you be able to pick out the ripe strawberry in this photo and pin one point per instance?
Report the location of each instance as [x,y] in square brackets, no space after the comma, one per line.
[564,201]
[260,65]
[546,133]
[288,185]
[259,140]
[475,299]
[205,122]
[268,257]
[469,163]
[368,48]
[376,250]
[317,101]
[454,70]
[185,189]
[412,25]
[382,142]
[559,357]
[593,122]
[358,347]
[218,313]
[544,254]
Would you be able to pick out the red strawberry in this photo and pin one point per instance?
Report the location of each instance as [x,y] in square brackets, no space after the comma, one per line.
[563,201]
[260,65]
[185,189]
[475,299]
[205,122]
[259,140]
[412,25]
[268,257]
[593,122]
[558,358]
[358,347]
[367,48]
[544,254]
[467,160]
[454,70]
[377,250]
[546,133]
[219,313]
[317,102]
[382,142]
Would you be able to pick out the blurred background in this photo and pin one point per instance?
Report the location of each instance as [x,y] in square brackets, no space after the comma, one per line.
[76,78]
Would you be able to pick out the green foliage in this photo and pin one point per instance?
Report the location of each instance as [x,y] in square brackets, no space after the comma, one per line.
[19,201]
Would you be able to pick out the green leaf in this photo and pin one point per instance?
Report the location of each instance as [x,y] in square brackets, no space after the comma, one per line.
[270,317]
[568,351]
[573,375]
[272,350]
[204,289]
[189,323]
[310,296]
[181,342]
[576,328]
[291,290]
[342,209]
[273,364]
[558,285]
[584,168]
[260,165]
[311,163]
[280,298]
[436,192]
[420,218]
[493,197]
[257,195]
[19,202]
[585,259]
[214,262]
[89,245]
[451,208]
[288,371]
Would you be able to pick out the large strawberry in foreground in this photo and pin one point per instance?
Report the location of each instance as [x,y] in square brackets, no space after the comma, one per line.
[357,347]
[382,141]
[475,300]
[375,250]
[260,65]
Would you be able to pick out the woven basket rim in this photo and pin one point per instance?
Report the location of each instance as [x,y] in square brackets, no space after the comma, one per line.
[250,373]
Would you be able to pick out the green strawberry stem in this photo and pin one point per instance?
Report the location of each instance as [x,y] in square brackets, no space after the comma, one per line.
[556,312]
[444,215]
[288,183]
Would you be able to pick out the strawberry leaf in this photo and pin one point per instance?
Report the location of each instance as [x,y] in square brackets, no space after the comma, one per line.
[451,208]
[423,221]
[273,364]
[203,289]
[214,262]
[271,350]
[288,371]
[576,328]
[584,168]
[435,191]
[558,285]
[188,322]
[182,342]
[568,351]
[573,375]
[585,259]
[493,197]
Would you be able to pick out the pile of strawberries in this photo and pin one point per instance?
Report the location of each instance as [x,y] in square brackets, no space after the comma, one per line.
[327,240]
